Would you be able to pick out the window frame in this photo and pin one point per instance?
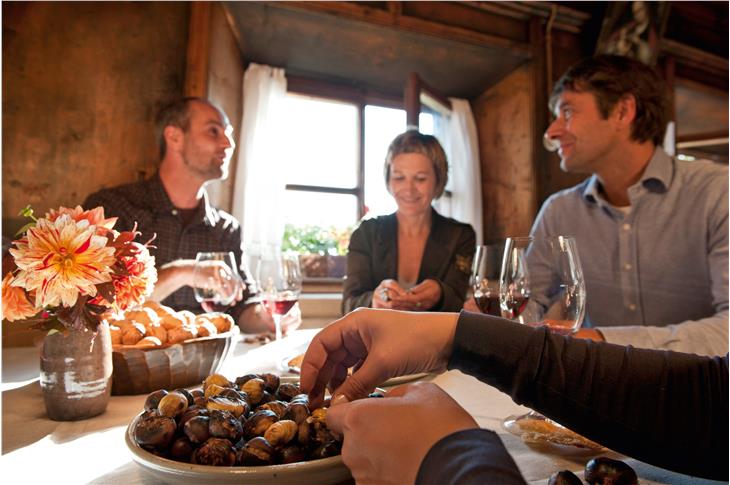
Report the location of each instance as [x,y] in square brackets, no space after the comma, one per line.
[359,97]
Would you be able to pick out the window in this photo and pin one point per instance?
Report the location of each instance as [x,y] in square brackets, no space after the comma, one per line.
[324,162]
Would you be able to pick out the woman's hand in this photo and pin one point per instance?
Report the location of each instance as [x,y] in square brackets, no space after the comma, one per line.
[379,344]
[421,297]
[385,440]
[385,293]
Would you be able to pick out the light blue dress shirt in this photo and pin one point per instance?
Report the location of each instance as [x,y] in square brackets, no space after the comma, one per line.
[656,274]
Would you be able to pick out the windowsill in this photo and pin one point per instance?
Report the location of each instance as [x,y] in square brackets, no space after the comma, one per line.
[319,309]
[322,285]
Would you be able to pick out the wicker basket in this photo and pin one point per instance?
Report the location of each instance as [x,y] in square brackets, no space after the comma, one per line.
[144,370]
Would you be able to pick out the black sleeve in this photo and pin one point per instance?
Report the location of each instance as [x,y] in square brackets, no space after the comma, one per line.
[455,283]
[358,286]
[473,456]
[665,408]
[112,208]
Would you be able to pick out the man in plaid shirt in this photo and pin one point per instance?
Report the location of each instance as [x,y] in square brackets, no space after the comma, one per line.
[196,146]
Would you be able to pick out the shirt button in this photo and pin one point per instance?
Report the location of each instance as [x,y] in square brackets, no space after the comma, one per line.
[627,227]
[174,212]
[627,266]
[632,307]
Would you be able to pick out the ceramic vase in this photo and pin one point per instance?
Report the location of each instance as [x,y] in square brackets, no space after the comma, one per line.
[76,371]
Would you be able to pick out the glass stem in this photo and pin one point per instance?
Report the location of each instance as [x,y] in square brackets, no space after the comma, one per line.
[277,325]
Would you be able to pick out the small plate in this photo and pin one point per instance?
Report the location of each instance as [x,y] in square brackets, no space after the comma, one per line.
[535,428]
[325,471]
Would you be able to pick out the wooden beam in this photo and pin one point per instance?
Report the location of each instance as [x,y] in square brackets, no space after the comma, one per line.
[412,100]
[198,55]
[391,18]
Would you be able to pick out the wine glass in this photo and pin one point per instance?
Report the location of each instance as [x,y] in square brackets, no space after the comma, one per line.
[485,273]
[216,281]
[279,279]
[542,285]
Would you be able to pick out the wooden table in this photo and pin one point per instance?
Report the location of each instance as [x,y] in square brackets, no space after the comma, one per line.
[38,450]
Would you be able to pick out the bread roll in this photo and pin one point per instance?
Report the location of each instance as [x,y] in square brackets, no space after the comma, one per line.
[173,320]
[157,330]
[116,334]
[205,326]
[133,333]
[222,321]
[148,342]
[142,315]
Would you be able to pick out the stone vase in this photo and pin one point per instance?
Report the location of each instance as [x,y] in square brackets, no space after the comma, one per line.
[76,371]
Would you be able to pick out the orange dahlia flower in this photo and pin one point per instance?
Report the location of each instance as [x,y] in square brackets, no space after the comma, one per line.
[15,304]
[61,259]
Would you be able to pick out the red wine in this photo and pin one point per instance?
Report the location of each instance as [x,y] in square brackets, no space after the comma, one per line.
[211,306]
[562,327]
[280,307]
[488,304]
[515,306]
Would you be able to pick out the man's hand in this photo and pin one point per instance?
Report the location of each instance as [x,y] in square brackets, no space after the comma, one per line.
[380,344]
[470,305]
[385,440]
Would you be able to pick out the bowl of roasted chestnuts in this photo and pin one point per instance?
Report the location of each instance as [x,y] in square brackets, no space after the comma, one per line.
[257,428]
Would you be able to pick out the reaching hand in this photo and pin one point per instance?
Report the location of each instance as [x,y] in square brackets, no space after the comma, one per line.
[385,440]
[379,344]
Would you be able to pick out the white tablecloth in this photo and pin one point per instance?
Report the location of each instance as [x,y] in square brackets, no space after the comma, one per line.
[38,450]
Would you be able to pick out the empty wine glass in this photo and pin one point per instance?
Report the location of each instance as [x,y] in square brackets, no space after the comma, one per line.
[279,279]
[485,273]
[216,281]
[542,285]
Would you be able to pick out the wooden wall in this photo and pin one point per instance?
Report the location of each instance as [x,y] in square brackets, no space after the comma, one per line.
[81,85]
[503,115]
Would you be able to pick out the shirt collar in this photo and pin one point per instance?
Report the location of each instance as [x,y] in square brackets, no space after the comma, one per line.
[657,177]
[160,202]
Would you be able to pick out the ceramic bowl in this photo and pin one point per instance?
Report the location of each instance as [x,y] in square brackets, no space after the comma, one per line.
[323,472]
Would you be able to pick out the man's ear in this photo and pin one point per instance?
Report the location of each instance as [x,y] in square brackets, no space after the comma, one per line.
[625,110]
[174,136]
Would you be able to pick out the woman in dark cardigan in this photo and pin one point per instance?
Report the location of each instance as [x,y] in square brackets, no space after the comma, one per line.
[413,259]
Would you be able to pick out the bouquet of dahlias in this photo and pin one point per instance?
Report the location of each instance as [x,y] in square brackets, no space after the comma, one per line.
[72,267]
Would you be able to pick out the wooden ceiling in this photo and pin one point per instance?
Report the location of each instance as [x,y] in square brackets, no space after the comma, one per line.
[461,48]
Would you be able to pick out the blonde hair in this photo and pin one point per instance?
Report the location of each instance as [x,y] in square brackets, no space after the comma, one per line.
[414,142]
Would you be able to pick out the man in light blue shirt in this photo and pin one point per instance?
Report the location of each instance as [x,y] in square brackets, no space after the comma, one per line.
[651,231]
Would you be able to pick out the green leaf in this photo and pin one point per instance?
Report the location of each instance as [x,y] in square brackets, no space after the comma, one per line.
[25,228]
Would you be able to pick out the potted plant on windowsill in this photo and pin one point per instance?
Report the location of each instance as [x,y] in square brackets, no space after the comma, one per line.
[322,251]
[71,267]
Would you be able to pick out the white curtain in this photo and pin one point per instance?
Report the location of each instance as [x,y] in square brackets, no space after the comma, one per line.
[257,192]
[458,134]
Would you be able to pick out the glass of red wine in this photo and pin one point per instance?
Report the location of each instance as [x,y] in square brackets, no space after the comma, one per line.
[542,285]
[216,281]
[279,279]
[485,273]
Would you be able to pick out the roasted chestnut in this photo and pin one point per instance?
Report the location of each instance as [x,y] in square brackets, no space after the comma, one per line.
[240,381]
[197,429]
[266,397]
[190,413]
[278,407]
[153,400]
[256,452]
[271,382]
[281,433]
[287,391]
[223,424]
[172,405]
[181,449]
[215,451]
[564,477]
[216,379]
[188,395]
[234,406]
[254,388]
[297,411]
[325,450]
[154,431]
[258,423]
[605,471]
[291,453]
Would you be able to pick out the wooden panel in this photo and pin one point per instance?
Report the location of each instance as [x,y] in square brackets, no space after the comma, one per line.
[81,85]
[503,116]
[225,88]
[198,50]
[700,109]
